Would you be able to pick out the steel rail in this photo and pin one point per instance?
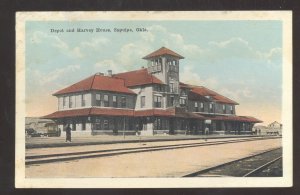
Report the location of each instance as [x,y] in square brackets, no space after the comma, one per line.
[38,159]
[147,147]
[262,167]
[200,172]
[63,144]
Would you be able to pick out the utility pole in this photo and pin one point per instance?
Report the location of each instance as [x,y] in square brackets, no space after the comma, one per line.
[124,128]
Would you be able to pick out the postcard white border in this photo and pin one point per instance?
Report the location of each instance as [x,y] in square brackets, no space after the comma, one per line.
[285,181]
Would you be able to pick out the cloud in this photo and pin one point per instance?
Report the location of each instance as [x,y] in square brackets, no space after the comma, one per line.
[237,91]
[157,28]
[54,75]
[95,42]
[44,78]
[104,65]
[231,41]
[274,56]
[147,37]
[39,37]
[177,41]
[130,54]
[238,94]
[128,58]
[191,76]
[237,47]
[232,48]
[40,85]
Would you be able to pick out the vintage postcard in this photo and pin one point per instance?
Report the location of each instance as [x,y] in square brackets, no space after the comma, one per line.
[154,99]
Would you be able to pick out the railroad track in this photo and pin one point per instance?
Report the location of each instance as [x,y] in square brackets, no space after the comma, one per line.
[48,158]
[250,166]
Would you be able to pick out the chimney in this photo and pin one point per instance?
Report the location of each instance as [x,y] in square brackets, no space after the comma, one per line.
[109,73]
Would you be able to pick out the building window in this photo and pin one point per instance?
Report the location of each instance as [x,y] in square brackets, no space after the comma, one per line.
[157,101]
[201,107]
[105,125]
[224,109]
[64,101]
[123,102]
[157,124]
[171,87]
[74,126]
[161,88]
[196,107]
[71,103]
[115,104]
[98,99]
[83,100]
[143,101]
[97,124]
[158,88]
[231,109]
[159,67]
[159,127]
[105,99]
[182,101]
[172,64]
[83,125]
[183,92]
[172,101]
[211,108]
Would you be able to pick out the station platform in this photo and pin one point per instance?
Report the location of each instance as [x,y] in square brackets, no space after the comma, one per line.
[46,142]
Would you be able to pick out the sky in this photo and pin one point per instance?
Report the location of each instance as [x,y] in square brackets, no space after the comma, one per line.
[238,59]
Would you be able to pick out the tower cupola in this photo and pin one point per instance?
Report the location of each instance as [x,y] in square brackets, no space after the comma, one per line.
[164,64]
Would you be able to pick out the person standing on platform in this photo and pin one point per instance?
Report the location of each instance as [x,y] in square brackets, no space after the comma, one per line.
[206,131]
[68,133]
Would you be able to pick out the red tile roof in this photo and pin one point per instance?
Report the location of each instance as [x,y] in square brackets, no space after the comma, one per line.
[140,113]
[190,115]
[163,51]
[184,85]
[203,91]
[138,77]
[217,97]
[112,111]
[97,82]
[155,112]
[68,113]
[172,112]
[90,112]
[235,118]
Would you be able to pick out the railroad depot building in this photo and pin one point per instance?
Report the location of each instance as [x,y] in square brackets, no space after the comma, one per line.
[150,100]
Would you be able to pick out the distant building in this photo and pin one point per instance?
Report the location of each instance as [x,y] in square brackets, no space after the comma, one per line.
[275,125]
[274,128]
[150,100]
[40,125]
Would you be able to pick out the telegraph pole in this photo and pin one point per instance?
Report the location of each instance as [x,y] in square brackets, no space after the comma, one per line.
[124,128]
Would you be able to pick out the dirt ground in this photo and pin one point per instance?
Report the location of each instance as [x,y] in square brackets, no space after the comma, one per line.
[168,163]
